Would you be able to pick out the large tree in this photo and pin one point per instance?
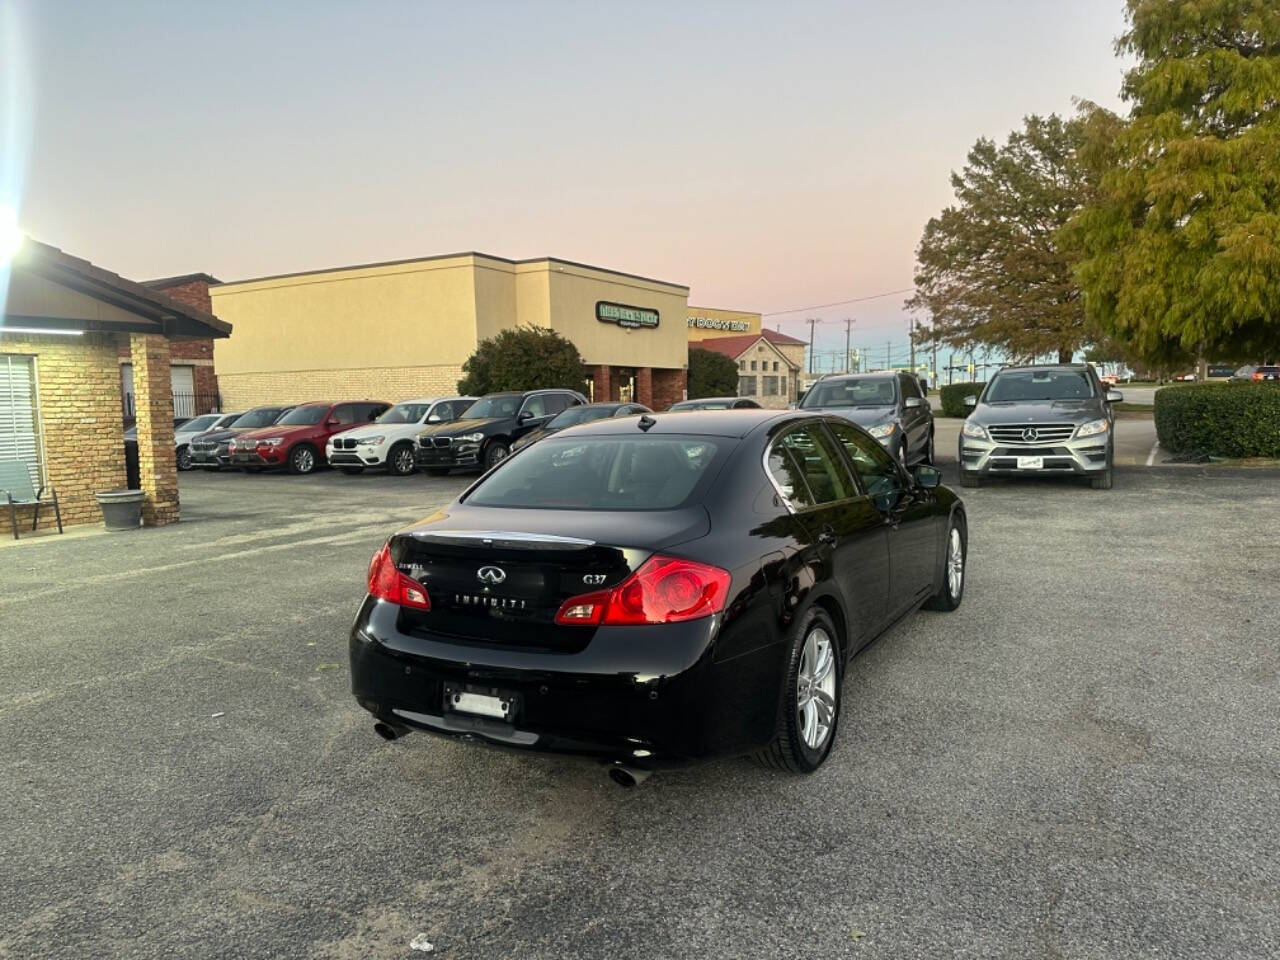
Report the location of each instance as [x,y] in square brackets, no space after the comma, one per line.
[524,358]
[1179,250]
[990,270]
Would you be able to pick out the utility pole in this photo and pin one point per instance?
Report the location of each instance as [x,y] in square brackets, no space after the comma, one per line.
[911,339]
[848,357]
[934,378]
[888,355]
[812,321]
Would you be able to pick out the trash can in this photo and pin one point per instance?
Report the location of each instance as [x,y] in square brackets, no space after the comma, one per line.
[121,509]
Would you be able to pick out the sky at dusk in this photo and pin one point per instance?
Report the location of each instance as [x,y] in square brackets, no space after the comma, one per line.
[768,155]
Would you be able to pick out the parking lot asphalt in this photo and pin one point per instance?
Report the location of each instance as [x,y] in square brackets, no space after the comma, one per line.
[1083,761]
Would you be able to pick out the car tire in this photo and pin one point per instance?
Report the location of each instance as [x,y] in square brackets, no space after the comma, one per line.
[303,459]
[802,742]
[438,471]
[928,450]
[184,458]
[494,453]
[955,556]
[400,460]
[352,471]
[1102,481]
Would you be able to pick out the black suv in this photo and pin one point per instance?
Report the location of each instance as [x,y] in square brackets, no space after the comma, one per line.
[1055,418]
[483,437]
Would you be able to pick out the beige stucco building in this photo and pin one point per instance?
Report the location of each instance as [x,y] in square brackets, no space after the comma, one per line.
[769,364]
[389,331]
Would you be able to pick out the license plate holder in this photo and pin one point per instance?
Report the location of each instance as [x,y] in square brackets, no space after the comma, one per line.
[1031,463]
[473,700]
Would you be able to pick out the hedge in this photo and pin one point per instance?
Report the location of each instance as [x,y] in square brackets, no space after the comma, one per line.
[1220,419]
[952,397]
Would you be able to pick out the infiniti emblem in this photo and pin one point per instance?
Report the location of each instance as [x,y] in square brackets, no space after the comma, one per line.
[491,575]
[1031,434]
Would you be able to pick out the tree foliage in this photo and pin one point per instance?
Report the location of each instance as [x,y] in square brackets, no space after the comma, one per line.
[1179,249]
[524,358]
[990,269]
[711,374]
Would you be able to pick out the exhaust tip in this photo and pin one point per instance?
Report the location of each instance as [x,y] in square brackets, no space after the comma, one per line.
[627,777]
[389,731]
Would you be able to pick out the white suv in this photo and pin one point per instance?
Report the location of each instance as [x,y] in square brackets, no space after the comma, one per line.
[388,441]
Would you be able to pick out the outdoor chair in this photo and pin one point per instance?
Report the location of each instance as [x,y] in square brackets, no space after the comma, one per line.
[16,486]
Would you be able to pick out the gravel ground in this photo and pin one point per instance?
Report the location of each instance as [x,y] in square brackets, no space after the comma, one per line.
[1083,761]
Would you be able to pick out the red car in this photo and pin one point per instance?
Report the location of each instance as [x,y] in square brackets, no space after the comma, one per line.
[297,439]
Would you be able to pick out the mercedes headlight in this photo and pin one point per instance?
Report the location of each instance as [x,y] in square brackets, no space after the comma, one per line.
[973,431]
[882,430]
[1092,428]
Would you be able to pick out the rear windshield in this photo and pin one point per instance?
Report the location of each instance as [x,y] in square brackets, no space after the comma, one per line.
[258,418]
[865,392]
[303,416]
[576,415]
[603,473]
[701,405]
[1030,385]
[500,406]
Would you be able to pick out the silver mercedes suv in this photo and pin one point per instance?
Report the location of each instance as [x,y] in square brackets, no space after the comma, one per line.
[1040,420]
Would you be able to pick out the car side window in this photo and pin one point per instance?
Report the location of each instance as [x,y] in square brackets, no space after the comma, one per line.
[535,406]
[874,466]
[345,413]
[910,387]
[807,469]
[557,402]
[373,410]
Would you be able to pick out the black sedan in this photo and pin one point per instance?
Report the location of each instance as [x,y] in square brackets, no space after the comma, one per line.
[657,590]
[578,415]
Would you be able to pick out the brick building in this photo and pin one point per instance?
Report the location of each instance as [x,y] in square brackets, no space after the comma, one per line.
[64,325]
[191,372]
[769,364]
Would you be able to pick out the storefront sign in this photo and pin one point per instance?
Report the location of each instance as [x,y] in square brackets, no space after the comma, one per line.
[624,316]
[714,323]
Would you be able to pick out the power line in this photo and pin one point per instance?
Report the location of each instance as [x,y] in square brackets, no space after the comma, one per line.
[840,303]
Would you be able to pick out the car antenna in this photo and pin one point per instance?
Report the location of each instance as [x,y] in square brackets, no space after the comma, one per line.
[646,422]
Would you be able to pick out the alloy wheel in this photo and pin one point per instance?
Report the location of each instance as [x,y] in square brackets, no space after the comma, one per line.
[403,461]
[304,460]
[955,564]
[816,689]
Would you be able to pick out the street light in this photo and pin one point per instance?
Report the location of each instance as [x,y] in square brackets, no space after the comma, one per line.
[11,237]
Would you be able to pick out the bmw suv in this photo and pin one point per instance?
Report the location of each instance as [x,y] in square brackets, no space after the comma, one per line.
[1040,420]
[484,435]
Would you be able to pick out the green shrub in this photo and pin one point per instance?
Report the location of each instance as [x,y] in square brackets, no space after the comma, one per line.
[1220,419]
[711,374]
[523,358]
[952,398]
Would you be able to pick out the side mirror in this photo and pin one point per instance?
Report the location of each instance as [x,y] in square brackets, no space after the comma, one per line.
[927,477]
[911,402]
[332,422]
[971,401]
[1114,396]
[525,415]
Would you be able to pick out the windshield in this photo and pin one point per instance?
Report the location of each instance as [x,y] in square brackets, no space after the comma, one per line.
[303,416]
[405,413]
[701,405]
[603,473]
[1025,386]
[576,415]
[258,418]
[505,405]
[852,392]
[200,423]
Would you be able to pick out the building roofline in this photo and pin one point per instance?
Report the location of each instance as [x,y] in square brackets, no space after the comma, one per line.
[452,256]
[164,283]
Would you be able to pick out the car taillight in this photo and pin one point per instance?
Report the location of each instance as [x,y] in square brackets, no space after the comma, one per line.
[663,590]
[388,583]
[1257,375]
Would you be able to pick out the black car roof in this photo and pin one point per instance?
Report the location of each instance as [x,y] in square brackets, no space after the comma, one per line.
[715,423]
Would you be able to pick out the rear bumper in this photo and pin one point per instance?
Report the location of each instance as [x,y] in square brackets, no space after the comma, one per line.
[646,696]
[1087,455]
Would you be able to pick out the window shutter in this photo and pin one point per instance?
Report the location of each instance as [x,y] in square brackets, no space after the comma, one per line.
[19,433]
